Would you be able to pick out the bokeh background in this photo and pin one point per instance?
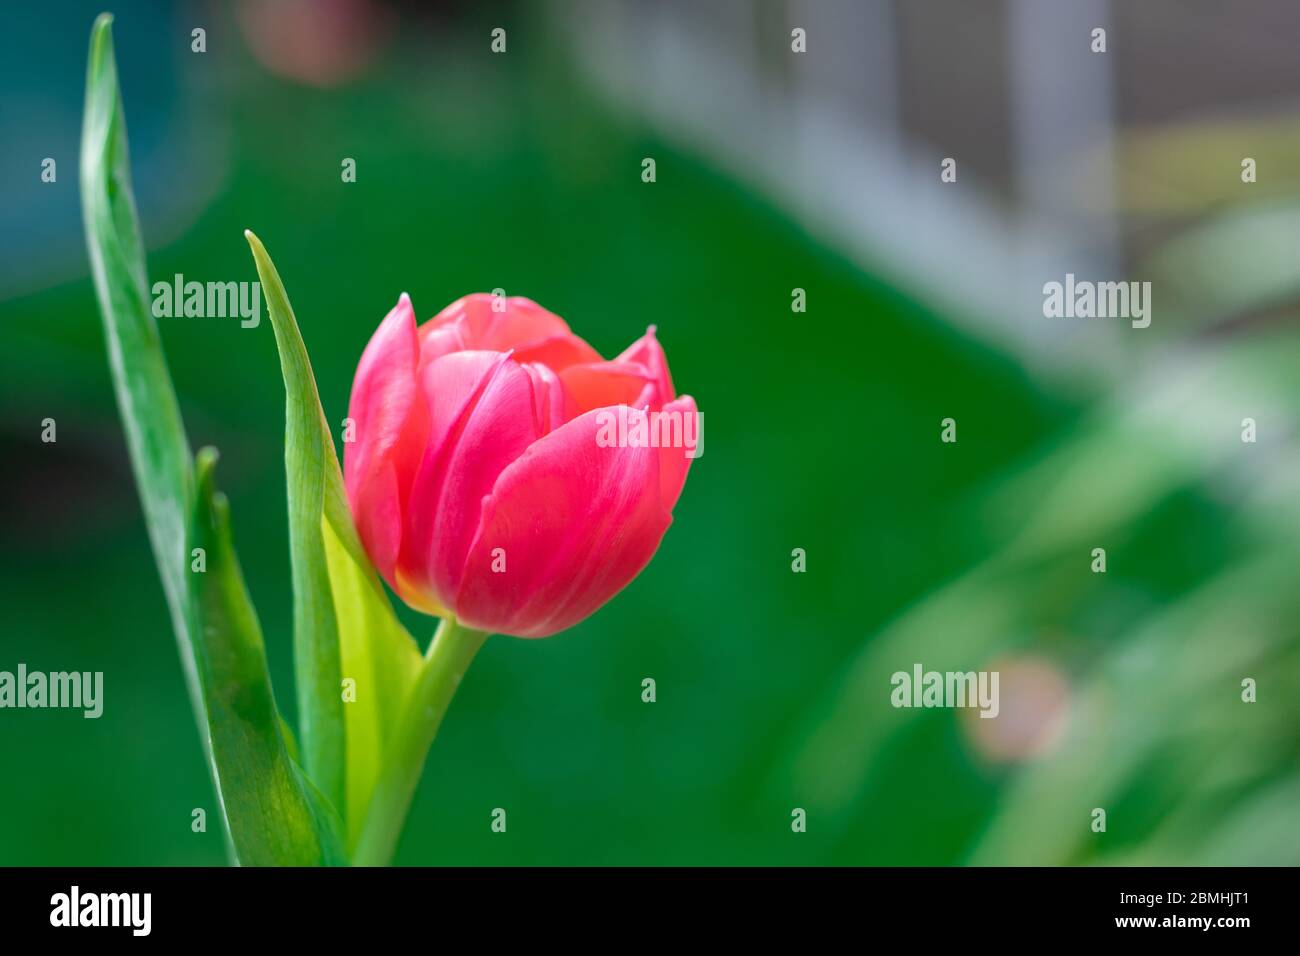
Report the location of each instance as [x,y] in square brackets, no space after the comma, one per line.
[775,171]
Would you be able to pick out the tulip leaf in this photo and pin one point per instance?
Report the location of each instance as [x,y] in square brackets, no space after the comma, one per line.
[271,812]
[151,417]
[383,660]
[345,628]
[308,453]
[276,817]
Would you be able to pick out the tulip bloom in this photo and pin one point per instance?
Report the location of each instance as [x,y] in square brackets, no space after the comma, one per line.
[480,479]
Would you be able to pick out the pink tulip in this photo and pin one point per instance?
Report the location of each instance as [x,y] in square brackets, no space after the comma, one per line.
[479,478]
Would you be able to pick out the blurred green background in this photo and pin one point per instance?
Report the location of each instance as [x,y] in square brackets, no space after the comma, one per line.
[1119,690]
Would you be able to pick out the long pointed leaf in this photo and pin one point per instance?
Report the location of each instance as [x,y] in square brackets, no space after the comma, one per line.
[315,630]
[342,615]
[151,417]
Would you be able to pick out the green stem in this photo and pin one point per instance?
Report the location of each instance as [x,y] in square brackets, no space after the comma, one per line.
[445,664]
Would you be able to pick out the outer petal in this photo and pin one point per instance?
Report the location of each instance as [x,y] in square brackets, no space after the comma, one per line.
[391,424]
[674,462]
[482,416]
[577,523]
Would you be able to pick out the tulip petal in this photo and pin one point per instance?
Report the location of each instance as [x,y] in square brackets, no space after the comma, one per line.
[486,322]
[482,417]
[557,352]
[390,425]
[649,354]
[576,522]
[548,397]
[435,342]
[602,384]
[674,461]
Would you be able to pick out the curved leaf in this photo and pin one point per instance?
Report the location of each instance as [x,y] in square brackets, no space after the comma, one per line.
[344,626]
[275,816]
[308,453]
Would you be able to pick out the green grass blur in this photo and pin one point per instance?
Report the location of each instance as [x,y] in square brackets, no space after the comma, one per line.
[822,433]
